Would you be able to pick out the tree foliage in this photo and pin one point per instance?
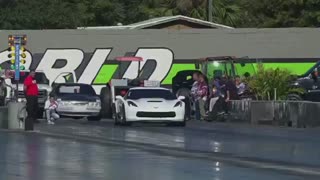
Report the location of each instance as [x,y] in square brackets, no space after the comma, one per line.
[270,84]
[60,14]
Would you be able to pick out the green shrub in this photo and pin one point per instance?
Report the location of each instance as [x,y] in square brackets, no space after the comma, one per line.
[268,81]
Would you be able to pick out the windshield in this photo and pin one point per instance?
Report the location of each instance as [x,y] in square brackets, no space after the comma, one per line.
[76,89]
[40,78]
[150,93]
[216,69]
[220,68]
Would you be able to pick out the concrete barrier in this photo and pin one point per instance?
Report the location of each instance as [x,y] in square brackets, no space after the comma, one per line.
[16,114]
[280,113]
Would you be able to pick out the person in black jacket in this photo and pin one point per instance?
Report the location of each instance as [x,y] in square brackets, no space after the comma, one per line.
[3,91]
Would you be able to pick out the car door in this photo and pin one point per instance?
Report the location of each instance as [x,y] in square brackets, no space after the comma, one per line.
[314,86]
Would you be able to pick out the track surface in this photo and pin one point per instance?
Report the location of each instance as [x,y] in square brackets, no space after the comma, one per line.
[77,149]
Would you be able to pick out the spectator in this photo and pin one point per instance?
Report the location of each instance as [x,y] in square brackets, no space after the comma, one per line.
[50,107]
[240,85]
[6,86]
[217,86]
[214,97]
[3,90]
[31,91]
[231,90]
[194,95]
[202,96]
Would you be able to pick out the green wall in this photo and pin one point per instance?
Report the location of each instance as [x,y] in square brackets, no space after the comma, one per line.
[106,72]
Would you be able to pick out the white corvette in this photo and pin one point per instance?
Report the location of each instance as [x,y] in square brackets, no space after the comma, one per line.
[149,104]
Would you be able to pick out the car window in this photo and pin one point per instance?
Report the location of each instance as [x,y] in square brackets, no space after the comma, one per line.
[150,93]
[76,89]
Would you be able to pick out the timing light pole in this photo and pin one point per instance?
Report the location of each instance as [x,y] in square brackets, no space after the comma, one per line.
[16,44]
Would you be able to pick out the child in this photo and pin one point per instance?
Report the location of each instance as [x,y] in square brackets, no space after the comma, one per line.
[50,107]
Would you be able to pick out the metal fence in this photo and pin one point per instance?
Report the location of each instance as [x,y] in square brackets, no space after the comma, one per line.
[281,113]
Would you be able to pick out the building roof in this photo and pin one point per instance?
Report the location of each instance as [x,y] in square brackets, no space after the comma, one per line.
[161,20]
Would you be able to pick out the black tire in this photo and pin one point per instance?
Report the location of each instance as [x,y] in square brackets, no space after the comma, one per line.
[94,118]
[115,116]
[106,101]
[294,97]
[122,118]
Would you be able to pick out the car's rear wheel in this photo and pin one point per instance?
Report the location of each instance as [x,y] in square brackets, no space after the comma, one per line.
[106,101]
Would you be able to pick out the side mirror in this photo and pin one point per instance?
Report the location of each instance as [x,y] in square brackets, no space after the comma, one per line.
[119,97]
[181,98]
[53,85]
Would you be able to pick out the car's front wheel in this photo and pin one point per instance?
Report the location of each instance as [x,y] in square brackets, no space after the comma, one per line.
[122,117]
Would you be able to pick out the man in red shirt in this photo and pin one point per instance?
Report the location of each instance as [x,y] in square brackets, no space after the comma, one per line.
[31,91]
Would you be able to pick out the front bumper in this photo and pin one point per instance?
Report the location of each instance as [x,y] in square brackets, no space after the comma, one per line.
[78,111]
[173,115]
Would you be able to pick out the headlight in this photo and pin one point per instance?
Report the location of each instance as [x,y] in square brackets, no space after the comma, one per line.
[178,104]
[130,103]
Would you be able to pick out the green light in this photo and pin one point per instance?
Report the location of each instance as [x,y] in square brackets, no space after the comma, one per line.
[12,67]
[22,68]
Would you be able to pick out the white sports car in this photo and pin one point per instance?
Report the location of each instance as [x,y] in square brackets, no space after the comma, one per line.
[149,104]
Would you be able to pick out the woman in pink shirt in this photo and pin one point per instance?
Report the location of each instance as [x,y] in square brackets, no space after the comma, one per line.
[202,95]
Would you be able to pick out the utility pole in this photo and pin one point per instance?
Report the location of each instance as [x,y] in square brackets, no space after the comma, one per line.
[210,10]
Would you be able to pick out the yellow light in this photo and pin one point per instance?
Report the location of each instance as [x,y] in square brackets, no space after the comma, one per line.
[11,55]
[23,55]
[23,49]
[12,61]
[23,61]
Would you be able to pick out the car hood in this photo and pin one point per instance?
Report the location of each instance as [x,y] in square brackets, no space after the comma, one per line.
[78,97]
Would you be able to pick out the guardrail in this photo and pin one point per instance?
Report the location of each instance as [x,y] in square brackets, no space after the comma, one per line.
[280,113]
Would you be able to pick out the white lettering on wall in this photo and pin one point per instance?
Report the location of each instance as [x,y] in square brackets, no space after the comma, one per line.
[4,57]
[90,72]
[163,58]
[73,57]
